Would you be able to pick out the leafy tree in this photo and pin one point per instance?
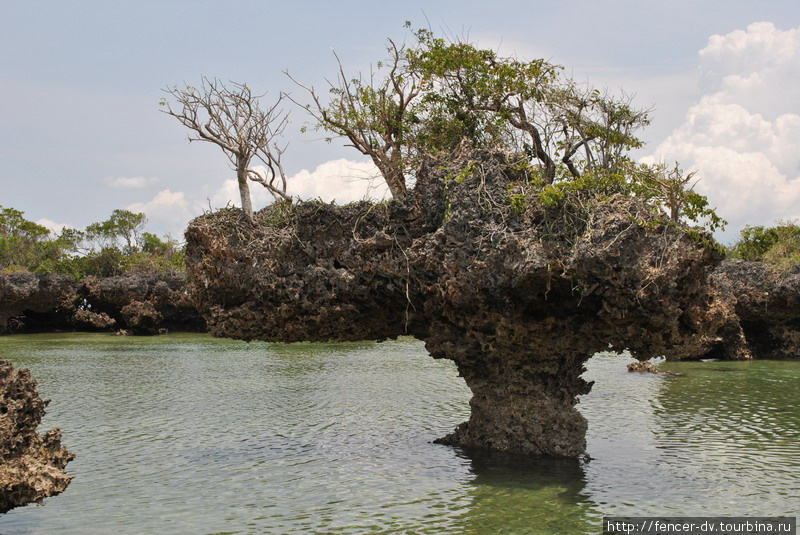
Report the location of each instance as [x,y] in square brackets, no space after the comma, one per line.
[430,95]
[21,241]
[118,245]
[123,226]
[436,92]
[777,245]
[670,189]
[230,117]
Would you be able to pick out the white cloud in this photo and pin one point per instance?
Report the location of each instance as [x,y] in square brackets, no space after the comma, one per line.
[743,135]
[53,226]
[340,180]
[136,182]
[168,211]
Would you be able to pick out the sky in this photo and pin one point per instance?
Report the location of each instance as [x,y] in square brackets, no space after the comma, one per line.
[81,132]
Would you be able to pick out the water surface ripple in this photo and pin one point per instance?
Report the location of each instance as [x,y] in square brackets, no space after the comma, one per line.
[185,434]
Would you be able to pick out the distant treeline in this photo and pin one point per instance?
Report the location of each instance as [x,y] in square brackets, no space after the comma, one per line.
[775,245]
[112,247]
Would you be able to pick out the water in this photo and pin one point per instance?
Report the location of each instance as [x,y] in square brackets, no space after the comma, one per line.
[185,434]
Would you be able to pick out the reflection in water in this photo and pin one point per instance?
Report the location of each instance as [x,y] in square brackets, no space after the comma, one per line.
[186,434]
[721,440]
[519,494]
[741,423]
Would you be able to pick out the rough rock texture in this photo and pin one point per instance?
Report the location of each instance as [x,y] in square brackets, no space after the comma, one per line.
[32,465]
[140,303]
[88,320]
[144,303]
[44,301]
[518,296]
[765,304]
[649,367]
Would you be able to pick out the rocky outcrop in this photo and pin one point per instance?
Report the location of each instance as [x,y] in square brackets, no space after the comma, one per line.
[519,296]
[644,366]
[138,302]
[144,303]
[27,299]
[32,465]
[764,303]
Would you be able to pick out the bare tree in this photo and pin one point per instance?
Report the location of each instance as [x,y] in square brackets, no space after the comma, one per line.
[229,116]
[372,114]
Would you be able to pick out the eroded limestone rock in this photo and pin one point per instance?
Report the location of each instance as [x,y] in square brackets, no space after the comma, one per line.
[144,303]
[41,302]
[765,304]
[32,466]
[648,367]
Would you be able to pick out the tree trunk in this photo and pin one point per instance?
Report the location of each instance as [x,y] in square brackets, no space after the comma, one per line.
[397,183]
[393,174]
[244,193]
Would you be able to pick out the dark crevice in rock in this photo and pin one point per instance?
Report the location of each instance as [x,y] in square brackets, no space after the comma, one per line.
[139,303]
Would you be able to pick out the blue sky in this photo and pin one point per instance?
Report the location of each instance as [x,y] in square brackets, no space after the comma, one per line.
[81,132]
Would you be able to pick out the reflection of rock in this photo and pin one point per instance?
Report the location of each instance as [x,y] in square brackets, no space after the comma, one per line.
[524,495]
[648,367]
[517,295]
[32,465]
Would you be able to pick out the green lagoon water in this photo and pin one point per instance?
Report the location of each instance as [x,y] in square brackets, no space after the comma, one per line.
[185,434]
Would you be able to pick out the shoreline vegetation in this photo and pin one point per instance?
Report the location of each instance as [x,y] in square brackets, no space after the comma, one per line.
[112,276]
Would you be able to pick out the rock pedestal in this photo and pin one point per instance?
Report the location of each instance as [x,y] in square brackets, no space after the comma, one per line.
[517,294]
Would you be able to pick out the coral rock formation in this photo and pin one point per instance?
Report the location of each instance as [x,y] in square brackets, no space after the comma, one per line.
[649,367]
[141,303]
[144,303]
[29,299]
[519,296]
[32,465]
[764,318]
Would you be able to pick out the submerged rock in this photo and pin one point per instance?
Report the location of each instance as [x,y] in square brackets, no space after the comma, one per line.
[519,296]
[649,367]
[32,465]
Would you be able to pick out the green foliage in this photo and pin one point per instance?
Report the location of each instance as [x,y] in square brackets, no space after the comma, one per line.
[122,228]
[776,245]
[112,247]
[669,189]
[433,93]
[590,185]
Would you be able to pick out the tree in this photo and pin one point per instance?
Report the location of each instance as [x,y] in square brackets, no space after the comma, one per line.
[671,189]
[372,114]
[122,226]
[20,240]
[230,117]
[436,92]
[433,93]
[776,245]
[567,128]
